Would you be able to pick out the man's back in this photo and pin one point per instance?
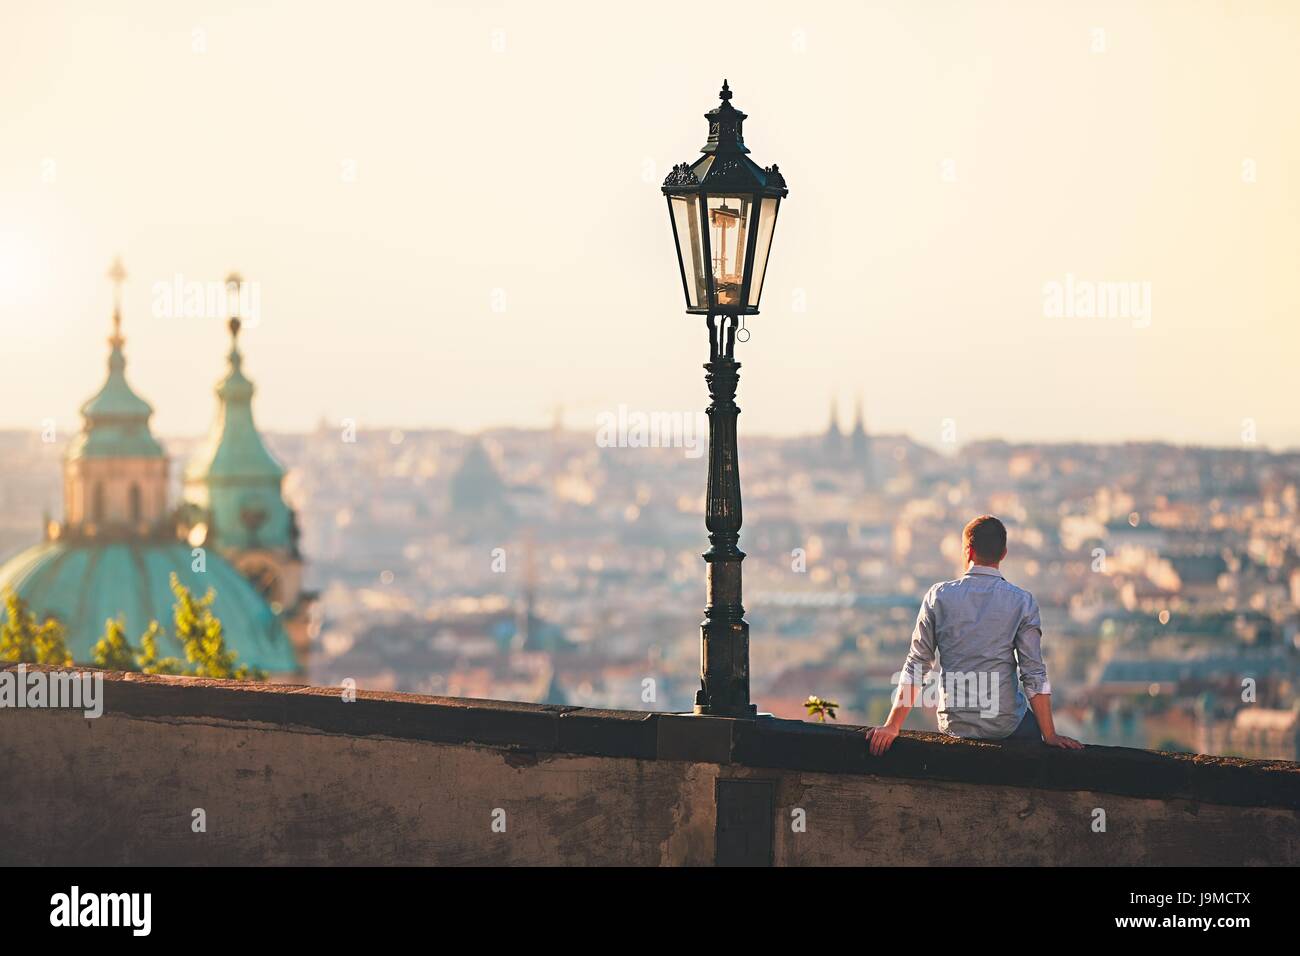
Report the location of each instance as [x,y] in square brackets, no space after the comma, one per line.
[977,627]
[976,630]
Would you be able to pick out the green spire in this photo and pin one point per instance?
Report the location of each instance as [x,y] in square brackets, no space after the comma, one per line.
[116,418]
[237,451]
[240,477]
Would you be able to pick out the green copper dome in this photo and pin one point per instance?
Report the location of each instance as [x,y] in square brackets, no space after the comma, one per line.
[96,570]
[116,418]
[84,583]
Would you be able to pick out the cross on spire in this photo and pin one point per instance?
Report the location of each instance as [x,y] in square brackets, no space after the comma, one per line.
[117,273]
[234,285]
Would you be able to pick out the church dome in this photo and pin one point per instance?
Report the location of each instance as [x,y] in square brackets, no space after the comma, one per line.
[113,554]
[117,419]
[476,487]
[84,583]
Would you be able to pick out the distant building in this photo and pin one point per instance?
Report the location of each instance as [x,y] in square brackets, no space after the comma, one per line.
[833,442]
[1261,733]
[860,447]
[476,489]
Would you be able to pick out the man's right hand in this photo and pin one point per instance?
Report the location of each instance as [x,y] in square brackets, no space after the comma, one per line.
[1065,743]
[880,739]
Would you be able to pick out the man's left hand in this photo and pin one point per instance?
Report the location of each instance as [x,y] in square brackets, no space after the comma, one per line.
[880,739]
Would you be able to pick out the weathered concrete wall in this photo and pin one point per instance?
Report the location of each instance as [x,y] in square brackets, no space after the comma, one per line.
[296,775]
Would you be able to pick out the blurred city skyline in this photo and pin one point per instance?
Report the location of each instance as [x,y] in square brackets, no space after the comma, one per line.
[454,218]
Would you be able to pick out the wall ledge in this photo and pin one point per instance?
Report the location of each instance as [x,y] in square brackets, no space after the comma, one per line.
[537,731]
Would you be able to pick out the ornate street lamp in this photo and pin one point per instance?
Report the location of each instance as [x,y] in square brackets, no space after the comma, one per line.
[723,211]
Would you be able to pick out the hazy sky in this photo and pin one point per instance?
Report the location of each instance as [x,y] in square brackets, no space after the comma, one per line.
[382,168]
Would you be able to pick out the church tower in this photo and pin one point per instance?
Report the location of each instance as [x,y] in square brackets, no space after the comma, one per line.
[115,472]
[833,442]
[859,443]
[236,483]
[119,543]
[860,449]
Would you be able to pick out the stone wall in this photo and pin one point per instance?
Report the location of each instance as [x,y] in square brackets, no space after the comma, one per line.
[286,774]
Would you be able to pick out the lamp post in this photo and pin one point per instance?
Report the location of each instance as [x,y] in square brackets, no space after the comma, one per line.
[723,212]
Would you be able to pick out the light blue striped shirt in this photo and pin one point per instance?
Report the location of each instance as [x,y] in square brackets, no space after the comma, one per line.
[974,634]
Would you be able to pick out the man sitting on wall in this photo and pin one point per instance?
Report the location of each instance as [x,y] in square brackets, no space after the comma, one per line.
[983,630]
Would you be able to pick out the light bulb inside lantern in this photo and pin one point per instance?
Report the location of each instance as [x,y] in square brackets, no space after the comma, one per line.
[728,216]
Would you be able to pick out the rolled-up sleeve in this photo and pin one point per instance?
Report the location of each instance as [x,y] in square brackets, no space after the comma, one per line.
[1029,652]
[920,656]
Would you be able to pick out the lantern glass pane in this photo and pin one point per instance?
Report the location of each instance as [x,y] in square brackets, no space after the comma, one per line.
[690,246]
[728,242]
[766,225]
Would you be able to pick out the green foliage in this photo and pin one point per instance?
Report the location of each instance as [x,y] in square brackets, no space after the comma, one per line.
[112,651]
[199,632]
[820,708]
[24,641]
[148,660]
